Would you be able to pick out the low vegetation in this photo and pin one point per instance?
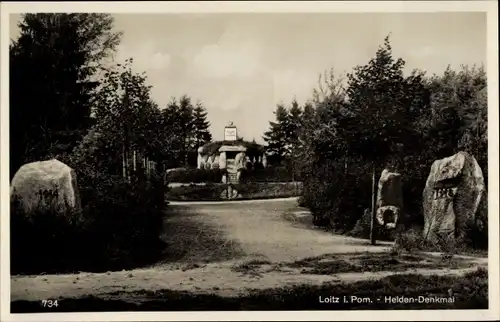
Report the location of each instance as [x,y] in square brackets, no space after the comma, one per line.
[246,191]
[469,292]
[193,175]
[269,174]
[412,241]
[119,227]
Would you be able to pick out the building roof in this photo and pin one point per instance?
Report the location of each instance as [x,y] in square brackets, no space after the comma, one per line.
[236,148]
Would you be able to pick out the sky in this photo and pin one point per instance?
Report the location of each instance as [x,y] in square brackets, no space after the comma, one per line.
[241,65]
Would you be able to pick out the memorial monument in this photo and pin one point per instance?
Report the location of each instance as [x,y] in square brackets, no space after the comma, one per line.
[232,154]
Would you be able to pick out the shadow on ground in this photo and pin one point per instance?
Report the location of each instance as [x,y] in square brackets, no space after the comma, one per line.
[188,239]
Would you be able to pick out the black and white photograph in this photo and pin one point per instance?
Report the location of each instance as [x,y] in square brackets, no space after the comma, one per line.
[207,161]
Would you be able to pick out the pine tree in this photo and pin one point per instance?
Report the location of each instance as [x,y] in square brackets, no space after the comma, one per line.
[294,124]
[201,126]
[186,124]
[277,137]
[51,92]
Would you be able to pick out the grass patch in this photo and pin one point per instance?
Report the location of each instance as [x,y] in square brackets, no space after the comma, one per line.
[412,241]
[373,262]
[250,267]
[189,240]
[470,291]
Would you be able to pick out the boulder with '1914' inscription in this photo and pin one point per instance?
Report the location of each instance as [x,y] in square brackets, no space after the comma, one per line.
[45,187]
[454,199]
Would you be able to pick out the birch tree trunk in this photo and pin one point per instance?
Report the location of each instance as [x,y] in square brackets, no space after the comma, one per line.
[124,169]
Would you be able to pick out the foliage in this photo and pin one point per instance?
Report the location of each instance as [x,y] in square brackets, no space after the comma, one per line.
[278,136]
[117,228]
[412,240]
[458,117]
[270,174]
[379,119]
[117,126]
[127,120]
[202,133]
[382,104]
[52,65]
[188,126]
[190,175]
[212,148]
[247,191]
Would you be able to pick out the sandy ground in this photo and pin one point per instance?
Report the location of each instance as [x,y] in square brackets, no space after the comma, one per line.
[216,238]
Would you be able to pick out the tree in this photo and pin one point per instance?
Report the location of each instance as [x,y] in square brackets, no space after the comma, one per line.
[128,128]
[357,128]
[201,126]
[179,118]
[457,119]
[293,132]
[382,106]
[277,137]
[51,89]
[294,123]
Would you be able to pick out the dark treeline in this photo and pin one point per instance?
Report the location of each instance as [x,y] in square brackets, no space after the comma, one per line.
[60,89]
[69,101]
[377,117]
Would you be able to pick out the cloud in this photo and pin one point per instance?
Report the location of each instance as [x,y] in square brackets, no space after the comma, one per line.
[146,57]
[423,52]
[229,57]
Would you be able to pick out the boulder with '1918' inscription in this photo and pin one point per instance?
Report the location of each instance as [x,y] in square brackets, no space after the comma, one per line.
[454,199]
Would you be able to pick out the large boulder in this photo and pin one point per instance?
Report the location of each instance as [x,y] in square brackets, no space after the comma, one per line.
[454,198]
[45,186]
[389,199]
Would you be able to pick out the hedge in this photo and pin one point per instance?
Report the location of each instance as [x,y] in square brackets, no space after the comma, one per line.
[270,174]
[213,192]
[193,175]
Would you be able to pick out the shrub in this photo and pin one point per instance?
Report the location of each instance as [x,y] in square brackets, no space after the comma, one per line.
[269,174]
[125,221]
[335,197]
[256,190]
[43,241]
[119,227]
[195,175]
[412,240]
[264,190]
[363,227]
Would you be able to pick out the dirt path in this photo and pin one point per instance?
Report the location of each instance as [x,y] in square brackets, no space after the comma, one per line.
[276,230]
[218,279]
[229,249]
